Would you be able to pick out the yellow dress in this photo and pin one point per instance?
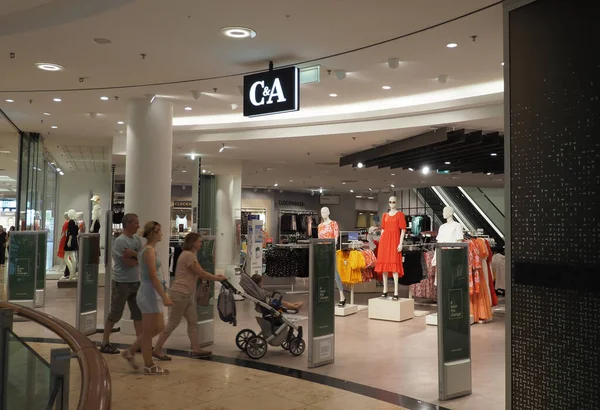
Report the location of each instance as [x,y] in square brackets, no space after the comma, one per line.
[350,265]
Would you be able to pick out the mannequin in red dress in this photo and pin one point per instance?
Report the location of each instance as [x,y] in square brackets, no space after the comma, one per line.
[389,251]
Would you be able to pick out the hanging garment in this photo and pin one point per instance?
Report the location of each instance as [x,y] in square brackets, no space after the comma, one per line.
[417,225]
[388,257]
[482,245]
[426,288]
[181,220]
[413,269]
[481,308]
[498,266]
[63,240]
[329,230]
[491,273]
[350,265]
[370,262]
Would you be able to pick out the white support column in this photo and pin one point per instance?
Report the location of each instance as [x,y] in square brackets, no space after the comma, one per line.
[228,200]
[148,171]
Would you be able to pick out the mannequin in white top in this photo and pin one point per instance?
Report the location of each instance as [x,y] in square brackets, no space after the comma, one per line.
[451,231]
[96,214]
[329,229]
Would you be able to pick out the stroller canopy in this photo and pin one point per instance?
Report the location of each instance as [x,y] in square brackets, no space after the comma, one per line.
[251,288]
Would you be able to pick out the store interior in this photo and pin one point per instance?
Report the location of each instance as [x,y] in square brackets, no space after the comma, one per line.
[415,125]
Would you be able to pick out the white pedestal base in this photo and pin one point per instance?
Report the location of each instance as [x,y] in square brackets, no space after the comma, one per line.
[40,299]
[392,310]
[206,332]
[432,319]
[346,310]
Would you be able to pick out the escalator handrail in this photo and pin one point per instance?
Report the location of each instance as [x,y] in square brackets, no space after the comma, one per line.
[95,376]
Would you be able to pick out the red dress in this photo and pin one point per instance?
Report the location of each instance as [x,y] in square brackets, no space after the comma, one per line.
[388,257]
[63,240]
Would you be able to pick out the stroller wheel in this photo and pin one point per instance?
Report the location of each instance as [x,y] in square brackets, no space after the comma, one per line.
[297,347]
[256,347]
[285,345]
[242,338]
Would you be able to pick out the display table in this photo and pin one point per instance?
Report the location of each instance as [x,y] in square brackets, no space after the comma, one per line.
[392,310]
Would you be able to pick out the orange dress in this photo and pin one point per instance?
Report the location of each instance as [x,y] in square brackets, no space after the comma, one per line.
[481,308]
[388,257]
[63,240]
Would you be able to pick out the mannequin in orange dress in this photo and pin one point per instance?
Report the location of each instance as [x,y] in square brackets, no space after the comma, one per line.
[389,251]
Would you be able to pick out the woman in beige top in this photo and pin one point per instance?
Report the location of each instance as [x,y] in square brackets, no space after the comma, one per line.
[186,274]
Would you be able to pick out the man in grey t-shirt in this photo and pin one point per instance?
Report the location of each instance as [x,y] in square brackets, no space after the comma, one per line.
[126,280]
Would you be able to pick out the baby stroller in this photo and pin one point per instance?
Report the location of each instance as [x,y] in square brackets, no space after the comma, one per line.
[275,328]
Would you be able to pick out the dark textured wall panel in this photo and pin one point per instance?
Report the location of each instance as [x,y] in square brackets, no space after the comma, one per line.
[555,194]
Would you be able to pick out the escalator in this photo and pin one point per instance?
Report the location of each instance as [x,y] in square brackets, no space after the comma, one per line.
[433,202]
[475,217]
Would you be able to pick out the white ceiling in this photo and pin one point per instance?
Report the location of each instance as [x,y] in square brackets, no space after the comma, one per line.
[181,42]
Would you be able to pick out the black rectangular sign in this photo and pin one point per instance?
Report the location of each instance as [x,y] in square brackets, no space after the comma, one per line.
[272,92]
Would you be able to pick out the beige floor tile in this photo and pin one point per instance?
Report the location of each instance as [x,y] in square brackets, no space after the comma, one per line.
[207,389]
[258,400]
[248,377]
[206,406]
[354,401]
[138,380]
[305,392]
[155,400]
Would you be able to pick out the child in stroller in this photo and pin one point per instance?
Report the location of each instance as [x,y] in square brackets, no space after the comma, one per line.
[277,303]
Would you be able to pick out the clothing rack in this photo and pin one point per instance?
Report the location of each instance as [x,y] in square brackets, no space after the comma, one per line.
[353,245]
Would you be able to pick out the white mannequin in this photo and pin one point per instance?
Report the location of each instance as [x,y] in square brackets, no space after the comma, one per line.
[325,214]
[70,256]
[96,214]
[451,231]
[393,211]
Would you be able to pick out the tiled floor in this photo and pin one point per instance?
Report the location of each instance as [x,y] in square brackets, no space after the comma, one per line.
[395,357]
[202,385]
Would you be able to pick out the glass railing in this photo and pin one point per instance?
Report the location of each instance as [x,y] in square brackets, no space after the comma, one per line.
[29,379]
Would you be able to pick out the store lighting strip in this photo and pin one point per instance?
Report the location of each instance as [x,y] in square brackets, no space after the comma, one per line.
[448,205]
[481,212]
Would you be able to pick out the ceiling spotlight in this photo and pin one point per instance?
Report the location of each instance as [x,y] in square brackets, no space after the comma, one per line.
[493,154]
[58,170]
[152,98]
[281,191]
[54,127]
[359,196]
[393,63]
[343,183]
[425,170]
[333,95]
[49,67]
[321,190]
[192,156]
[222,148]
[291,180]
[104,98]
[447,162]
[57,99]
[47,113]
[360,165]
[340,74]
[188,108]
[393,175]
[386,87]
[275,184]
[503,63]
[451,45]
[411,169]
[237,32]
[204,171]
[183,170]
[489,173]
[442,79]
[101,41]
[61,173]
[10,101]
[392,185]
[120,122]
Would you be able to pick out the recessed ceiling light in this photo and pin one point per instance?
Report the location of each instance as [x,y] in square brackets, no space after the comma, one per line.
[392,185]
[333,95]
[451,45]
[276,184]
[54,126]
[49,67]
[104,98]
[352,191]
[223,149]
[204,171]
[101,41]
[57,99]
[188,108]
[425,170]
[291,180]
[393,175]
[411,169]
[184,170]
[489,173]
[10,101]
[503,63]
[447,162]
[61,173]
[359,196]
[386,87]
[59,170]
[237,32]
[120,122]
[343,183]
[493,154]
[360,165]
[47,113]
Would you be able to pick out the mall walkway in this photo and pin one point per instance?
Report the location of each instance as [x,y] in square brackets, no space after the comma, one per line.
[205,385]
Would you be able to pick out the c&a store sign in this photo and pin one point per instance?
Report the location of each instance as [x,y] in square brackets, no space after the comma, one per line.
[272,92]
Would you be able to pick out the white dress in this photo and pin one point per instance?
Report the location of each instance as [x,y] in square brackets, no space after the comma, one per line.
[181,221]
[499,266]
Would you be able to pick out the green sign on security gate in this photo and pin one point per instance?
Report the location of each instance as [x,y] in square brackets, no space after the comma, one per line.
[87,284]
[22,267]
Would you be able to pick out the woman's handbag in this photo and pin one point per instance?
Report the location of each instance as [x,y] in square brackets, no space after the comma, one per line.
[203,293]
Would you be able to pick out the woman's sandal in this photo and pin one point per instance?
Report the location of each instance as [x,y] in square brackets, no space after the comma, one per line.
[162,358]
[155,371]
[130,359]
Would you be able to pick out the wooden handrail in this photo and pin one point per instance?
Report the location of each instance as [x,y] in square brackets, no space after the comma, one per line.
[95,376]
